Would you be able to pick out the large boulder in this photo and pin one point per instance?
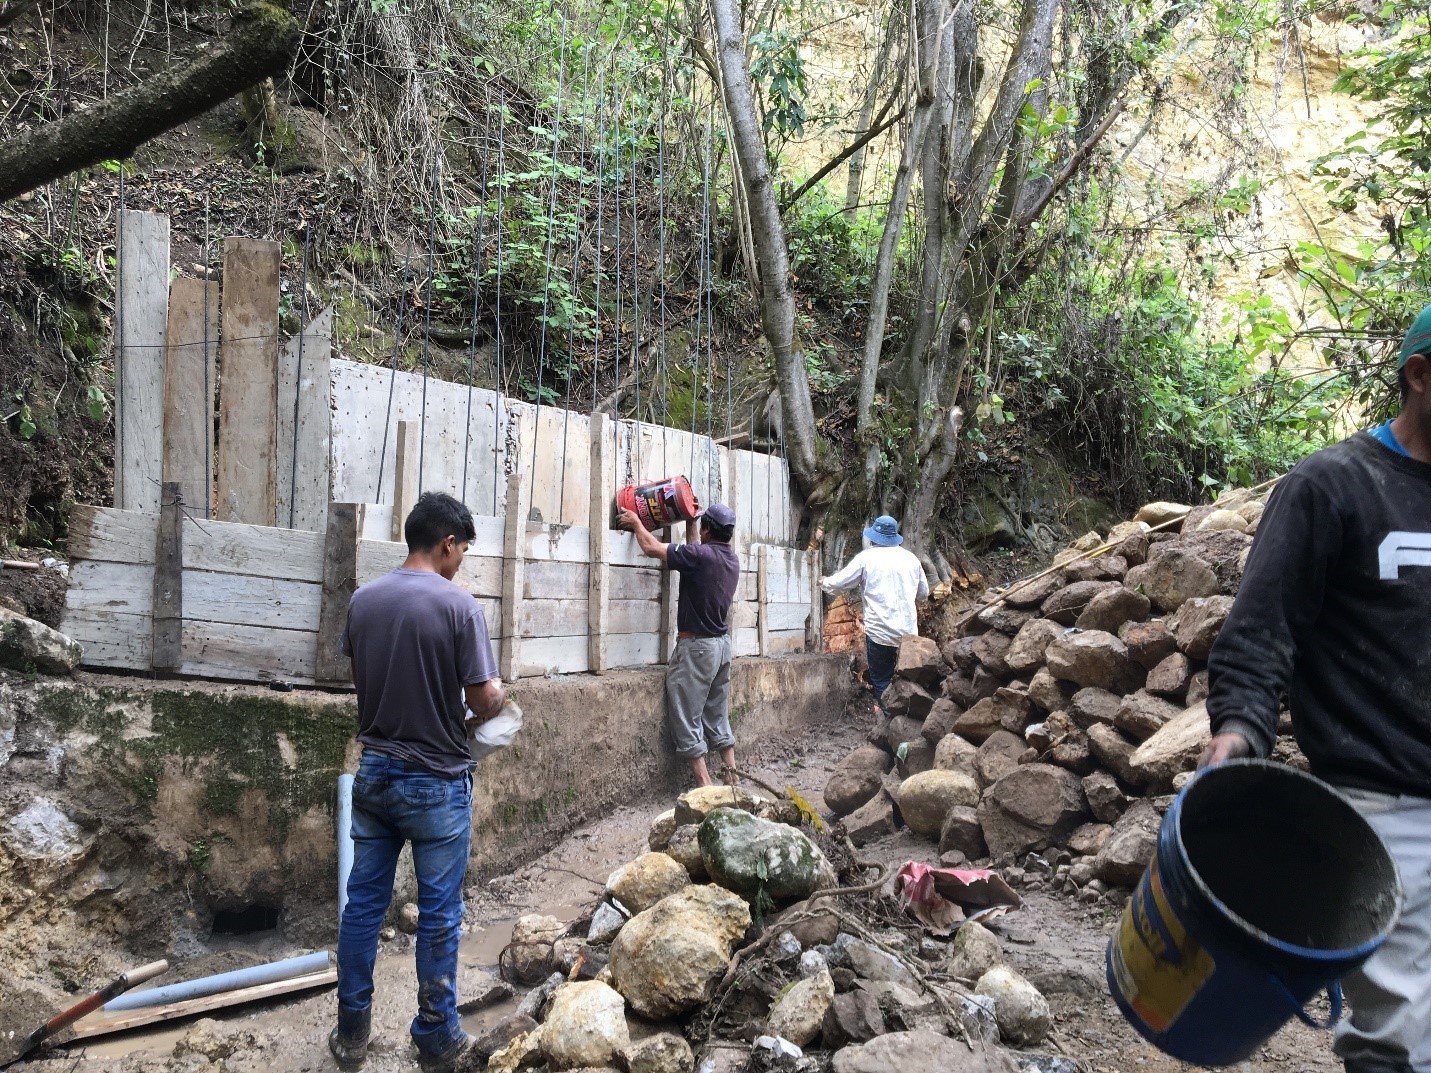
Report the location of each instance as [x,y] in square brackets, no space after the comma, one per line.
[968,689]
[800,1012]
[1092,705]
[854,1017]
[666,960]
[959,654]
[1114,752]
[1088,838]
[684,847]
[1161,513]
[27,645]
[953,753]
[992,649]
[1032,593]
[900,729]
[963,833]
[856,779]
[1142,714]
[872,820]
[907,698]
[920,661]
[1020,1010]
[1069,602]
[926,799]
[1105,799]
[1034,806]
[1048,693]
[665,1052]
[940,720]
[1198,623]
[1003,617]
[1148,642]
[1026,653]
[974,951]
[1103,568]
[1130,848]
[585,1026]
[1094,658]
[661,829]
[1173,749]
[641,883]
[1173,577]
[1111,609]
[1170,678]
[918,1051]
[998,756]
[533,937]
[693,806]
[751,856]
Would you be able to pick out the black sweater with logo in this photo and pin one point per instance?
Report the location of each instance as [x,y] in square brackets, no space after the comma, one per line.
[1335,606]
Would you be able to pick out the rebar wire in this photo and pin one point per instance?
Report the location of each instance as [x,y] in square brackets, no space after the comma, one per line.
[298,376]
[661,241]
[636,304]
[547,270]
[600,205]
[571,320]
[499,375]
[708,294]
[392,378]
[427,318]
[703,284]
[620,253]
[478,253]
[208,387]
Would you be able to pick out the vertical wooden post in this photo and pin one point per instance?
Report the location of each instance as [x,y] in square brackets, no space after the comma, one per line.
[762,596]
[815,635]
[248,396]
[599,580]
[168,620]
[514,561]
[741,540]
[190,383]
[305,446]
[670,605]
[405,476]
[340,581]
[141,323]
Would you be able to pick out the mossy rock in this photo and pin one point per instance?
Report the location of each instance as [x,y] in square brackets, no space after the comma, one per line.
[751,856]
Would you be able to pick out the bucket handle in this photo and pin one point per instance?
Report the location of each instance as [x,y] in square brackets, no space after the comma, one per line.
[1334,994]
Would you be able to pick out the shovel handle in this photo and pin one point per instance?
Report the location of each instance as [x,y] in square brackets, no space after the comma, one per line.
[145,973]
[120,984]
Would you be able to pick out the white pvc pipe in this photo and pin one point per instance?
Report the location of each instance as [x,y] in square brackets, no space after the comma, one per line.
[345,840]
[224,981]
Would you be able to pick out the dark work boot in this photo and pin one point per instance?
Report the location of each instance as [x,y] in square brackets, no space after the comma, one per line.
[1377,1065]
[450,1060]
[348,1042]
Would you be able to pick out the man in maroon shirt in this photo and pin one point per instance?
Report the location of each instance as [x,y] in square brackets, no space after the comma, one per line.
[698,672]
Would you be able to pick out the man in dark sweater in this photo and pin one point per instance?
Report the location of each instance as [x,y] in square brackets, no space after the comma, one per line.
[698,672]
[1335,606]
[420,651]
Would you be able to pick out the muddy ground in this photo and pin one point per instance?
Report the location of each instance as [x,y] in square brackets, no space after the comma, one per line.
[1057,942]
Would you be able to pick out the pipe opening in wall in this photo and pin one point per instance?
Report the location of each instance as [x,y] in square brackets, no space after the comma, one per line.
[246,920]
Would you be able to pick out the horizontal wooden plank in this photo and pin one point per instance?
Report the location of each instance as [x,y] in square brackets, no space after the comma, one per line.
[785,642]
[787,616]
[106,586]
[480,575]
[549,618]
[111,639]
[252,601]
[568,655]
[248,653]
[743,615]
[635,582]
[253,550]
[747,642]
[114,536]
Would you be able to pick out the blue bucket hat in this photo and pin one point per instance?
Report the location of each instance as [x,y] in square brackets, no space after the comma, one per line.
[884,531]
[1418,338]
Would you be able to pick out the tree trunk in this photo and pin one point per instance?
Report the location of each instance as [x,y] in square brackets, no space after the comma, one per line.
[259,45]
[777,299]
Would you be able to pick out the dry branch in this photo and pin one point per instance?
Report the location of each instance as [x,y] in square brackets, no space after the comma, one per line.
[259,45]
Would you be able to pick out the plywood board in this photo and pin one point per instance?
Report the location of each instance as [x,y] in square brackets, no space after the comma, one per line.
[141,321]
[464,436]
[556,581]
[568,655]
[786,642]
[254,550]
[787,616]
[168,581]
[113,535]
[191,381]
[340,579]
[249,653]
[248,384]
[305,418]
[553,449]
[480,575]
[127,588]
[111,639]
[252,601]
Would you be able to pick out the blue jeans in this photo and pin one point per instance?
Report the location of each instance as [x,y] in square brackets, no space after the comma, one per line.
[395,802]
[882,660]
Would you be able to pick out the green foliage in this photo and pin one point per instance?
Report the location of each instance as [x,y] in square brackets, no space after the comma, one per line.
[776,65]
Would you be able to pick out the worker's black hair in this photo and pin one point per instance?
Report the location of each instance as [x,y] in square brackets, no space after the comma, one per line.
[719,534]
[435,517]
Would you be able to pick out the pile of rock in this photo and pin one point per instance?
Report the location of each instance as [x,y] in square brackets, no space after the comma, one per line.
[644,983]
[1052,731]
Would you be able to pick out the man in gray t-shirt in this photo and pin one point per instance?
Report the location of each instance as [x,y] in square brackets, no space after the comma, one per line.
[420,651]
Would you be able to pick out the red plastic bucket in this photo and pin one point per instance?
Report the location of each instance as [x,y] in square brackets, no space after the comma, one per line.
[660,503]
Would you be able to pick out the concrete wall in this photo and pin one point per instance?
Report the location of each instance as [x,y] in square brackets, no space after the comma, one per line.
[170,800]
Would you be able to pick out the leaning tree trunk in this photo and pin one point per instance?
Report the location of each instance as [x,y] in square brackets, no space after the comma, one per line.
[259,45]
[777,298]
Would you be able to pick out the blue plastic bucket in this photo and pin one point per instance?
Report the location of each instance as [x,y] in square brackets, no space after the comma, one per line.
[1267,887]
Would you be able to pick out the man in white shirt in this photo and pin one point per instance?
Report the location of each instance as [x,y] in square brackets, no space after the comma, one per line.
[893,582]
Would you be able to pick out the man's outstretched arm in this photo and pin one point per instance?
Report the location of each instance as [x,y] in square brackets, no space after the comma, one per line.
[650,546]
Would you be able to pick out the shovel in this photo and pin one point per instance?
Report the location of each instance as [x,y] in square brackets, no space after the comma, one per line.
[120,984]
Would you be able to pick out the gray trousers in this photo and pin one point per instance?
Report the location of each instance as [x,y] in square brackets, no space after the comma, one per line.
[1389,1030]
[698,695]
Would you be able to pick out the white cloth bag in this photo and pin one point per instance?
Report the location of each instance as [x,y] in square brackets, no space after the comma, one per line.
[496,733]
